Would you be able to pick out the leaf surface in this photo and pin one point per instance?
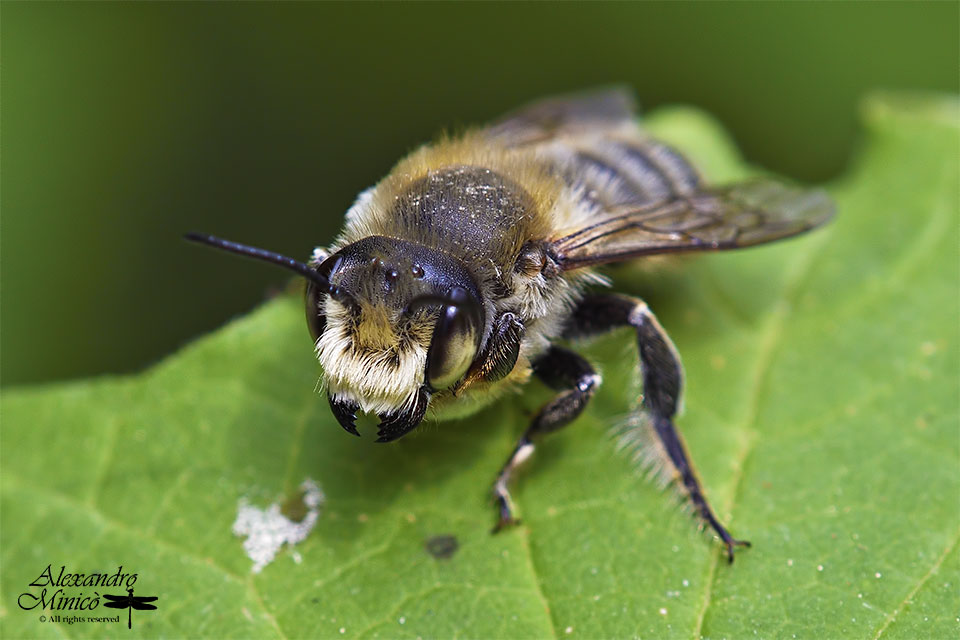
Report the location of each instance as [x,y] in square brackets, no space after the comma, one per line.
[821,411]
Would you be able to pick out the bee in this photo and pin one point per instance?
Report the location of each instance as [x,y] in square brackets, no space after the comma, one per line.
[457,277]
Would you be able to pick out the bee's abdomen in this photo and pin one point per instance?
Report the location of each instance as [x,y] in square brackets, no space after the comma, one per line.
[611,173]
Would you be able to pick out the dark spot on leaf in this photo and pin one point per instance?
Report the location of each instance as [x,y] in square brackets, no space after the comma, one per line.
[442,547]
[293,508]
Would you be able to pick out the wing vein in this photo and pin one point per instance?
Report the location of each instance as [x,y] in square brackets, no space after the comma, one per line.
[743,215]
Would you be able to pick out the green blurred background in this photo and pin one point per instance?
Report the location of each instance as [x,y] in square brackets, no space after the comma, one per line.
[124,125]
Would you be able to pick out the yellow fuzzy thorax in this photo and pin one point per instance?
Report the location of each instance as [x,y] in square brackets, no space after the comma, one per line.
[470,149]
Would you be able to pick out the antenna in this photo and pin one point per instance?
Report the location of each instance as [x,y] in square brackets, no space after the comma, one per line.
[269,256]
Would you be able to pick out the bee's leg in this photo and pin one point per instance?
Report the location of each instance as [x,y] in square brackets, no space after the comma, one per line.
[573,376]
[503,349]
[662,383]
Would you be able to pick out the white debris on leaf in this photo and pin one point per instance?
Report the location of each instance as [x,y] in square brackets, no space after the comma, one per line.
[268,529]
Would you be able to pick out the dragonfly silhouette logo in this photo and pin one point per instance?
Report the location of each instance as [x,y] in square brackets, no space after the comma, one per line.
[130,602]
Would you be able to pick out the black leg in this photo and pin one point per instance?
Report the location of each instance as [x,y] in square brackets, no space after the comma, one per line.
[502,351]
[576,380]
[662,385]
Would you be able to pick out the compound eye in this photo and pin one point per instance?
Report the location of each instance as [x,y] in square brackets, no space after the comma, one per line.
[456,339]
[315,296]
[316,320]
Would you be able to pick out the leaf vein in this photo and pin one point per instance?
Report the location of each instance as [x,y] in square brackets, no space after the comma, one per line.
[535,573]
[107,522]
[771,339]
[892,616]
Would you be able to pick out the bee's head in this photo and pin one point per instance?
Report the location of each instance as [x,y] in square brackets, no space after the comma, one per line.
[393,323]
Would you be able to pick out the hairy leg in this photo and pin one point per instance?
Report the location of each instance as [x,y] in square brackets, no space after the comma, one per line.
[571,375]
[662,385]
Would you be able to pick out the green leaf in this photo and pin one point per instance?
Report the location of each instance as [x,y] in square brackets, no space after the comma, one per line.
[821,410]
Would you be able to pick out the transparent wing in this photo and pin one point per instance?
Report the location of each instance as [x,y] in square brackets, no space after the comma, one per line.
[643,196]
[743,215]
[571,114]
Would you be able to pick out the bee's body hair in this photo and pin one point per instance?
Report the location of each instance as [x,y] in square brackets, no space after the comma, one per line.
[456,275]
[482,203]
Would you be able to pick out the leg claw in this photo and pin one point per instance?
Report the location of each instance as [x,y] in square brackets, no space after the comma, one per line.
[504,523]
[506,515]
[733,542]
